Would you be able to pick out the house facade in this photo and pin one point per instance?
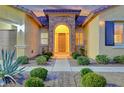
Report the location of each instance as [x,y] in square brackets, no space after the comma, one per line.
[62,31]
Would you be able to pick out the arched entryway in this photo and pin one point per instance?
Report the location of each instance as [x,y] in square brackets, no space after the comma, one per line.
[61,41]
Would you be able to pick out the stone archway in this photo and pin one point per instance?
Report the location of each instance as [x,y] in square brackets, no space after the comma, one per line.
[62,39]
[69,21]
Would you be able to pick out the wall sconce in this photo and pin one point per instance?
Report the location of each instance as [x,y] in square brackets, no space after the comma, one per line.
[21,28]
[101,23]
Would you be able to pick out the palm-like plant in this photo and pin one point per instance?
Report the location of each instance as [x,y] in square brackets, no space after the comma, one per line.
[9,68]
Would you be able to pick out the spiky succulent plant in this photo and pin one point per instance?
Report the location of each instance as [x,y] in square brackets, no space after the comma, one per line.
[9,67]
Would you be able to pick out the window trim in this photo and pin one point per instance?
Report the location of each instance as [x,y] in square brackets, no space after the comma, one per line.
[44,38]
[119,44]
[78,42]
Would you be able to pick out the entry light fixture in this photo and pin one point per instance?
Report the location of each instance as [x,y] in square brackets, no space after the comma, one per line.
[21,28]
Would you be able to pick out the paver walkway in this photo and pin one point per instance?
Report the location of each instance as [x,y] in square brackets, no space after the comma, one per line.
[61,65]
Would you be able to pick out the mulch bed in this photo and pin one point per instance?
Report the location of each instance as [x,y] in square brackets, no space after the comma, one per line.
[72,79]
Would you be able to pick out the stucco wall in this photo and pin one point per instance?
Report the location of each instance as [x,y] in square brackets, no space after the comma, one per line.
[115,13]
[16,17]
[12,14]
[91,31]
[32,37]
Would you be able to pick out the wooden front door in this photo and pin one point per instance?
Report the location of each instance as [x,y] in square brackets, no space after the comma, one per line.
[61,42]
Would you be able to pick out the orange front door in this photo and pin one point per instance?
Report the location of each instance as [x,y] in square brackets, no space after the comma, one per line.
[61,42]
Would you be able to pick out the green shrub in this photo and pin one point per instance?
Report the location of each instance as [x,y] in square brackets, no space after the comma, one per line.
[39,72]
[75,55]
[41,60]
[34,82]
[83,51]
[24,59]
[84,71]
[93,80]
[82,60]
[47,57]
[49,54]
[102,59]
[119,59]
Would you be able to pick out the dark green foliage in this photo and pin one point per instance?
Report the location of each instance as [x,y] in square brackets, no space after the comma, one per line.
[84,71]
[93,80]
[24,59]
[83,51]
[48,53]
[82,60]
[119,59]
[75,55]
[47,57]
[34,82]
[102,59]
[39,72]
[41,60]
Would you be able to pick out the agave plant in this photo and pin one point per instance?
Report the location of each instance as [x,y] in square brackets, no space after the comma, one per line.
[9,68]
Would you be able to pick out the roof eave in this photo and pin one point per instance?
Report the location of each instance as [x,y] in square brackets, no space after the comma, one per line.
[93,14]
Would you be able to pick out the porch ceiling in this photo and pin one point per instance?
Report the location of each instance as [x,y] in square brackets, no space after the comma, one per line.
[85,9]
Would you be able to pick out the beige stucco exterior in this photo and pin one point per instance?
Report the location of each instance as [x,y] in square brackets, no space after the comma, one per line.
[28,39]
[91,32]
[32,36]
[112,14]
[16,18]
[95,33]
[27,29]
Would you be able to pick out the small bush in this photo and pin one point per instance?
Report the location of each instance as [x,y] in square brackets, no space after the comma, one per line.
[39,72]
[47,57]
[102,59]
[93,80]
[84,71]
[41,60]
[49,54]
[83,51]
[24,59]
[75,55]
[82,60]
[119,59]
[34,82]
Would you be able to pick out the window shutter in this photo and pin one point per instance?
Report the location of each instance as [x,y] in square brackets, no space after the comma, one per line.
[109,33]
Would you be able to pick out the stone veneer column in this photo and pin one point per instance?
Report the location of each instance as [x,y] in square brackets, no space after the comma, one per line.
[58,20]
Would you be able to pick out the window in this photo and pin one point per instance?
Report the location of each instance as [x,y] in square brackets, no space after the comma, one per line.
[119,33]
[79,38]
[44,38]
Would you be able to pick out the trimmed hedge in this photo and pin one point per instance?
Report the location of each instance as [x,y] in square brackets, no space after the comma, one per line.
[84,71]
[39,72]
[41,60]
[75,55]
[34,82]
[102,59]
[24,59]
[82,60]
[93,80]
[119,59]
